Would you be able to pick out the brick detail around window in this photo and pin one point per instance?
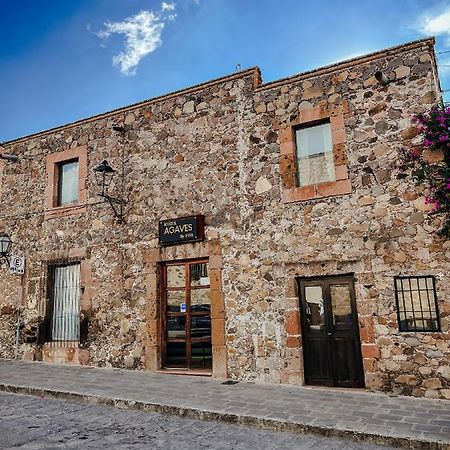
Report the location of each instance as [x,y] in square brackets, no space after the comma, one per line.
[342,185]
[51,192]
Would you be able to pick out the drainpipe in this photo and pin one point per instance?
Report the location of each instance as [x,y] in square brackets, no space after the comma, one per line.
[18,320]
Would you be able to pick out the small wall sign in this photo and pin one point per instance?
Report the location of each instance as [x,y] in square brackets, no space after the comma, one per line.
[17,265]
[182,230]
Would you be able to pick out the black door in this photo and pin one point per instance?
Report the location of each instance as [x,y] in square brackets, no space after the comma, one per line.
[331,345]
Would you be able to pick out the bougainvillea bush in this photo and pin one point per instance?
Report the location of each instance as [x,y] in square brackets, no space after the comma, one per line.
[430,164]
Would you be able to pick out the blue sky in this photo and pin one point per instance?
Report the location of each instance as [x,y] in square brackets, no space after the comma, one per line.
[63,60]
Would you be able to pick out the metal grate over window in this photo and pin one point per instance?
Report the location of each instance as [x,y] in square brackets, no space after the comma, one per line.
[65,302]
[416,304]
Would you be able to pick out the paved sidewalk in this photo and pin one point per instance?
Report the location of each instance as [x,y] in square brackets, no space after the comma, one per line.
[357,415]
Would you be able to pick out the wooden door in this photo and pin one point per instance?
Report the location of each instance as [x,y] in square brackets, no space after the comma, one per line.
[186,315]
[331,345]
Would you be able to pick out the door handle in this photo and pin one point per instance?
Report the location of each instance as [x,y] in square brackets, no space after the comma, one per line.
[329,334]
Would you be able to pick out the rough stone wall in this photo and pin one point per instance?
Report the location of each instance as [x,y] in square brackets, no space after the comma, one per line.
[169,151]
[377,232]
[216,151]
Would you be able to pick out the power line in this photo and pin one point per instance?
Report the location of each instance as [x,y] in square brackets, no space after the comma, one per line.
[43,211]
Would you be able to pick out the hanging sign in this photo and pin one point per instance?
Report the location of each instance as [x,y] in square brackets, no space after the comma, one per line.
[182,230]
[17,265]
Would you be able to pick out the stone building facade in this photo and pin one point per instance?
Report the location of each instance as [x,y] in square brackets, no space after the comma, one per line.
[279,255]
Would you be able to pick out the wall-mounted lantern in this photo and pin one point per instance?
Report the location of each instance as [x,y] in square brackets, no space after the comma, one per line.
[5,247]
[104,174]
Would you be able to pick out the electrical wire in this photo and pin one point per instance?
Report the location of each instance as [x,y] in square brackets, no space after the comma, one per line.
[44,211]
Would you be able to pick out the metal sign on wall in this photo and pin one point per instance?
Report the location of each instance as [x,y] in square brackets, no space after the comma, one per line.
[182,230]
[17,265]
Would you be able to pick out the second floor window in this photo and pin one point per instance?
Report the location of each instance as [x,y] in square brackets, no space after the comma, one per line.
[67,183]
[315,160]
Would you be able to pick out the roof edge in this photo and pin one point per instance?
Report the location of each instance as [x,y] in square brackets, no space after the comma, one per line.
[430,41]
[257,84]
[252,71]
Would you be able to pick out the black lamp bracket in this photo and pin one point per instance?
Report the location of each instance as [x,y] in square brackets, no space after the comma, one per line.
[116,205]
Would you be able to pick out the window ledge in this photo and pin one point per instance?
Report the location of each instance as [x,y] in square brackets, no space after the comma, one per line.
[61,211]
[61,344]
[316,191]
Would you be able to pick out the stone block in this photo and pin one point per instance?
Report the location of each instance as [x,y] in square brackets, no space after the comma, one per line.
[292,322]
[373,381]
[334,188]
[215,277]
[370,351]
[151,255]
[287,170]
[28,355]
[218,332]
[217,304]
[433,156]
[293,342]
[432,383]
[366,330]
[152,358]
[410,380]
[153,332]
[220,362]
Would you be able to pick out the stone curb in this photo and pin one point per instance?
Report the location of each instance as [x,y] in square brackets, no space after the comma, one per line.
[252,421]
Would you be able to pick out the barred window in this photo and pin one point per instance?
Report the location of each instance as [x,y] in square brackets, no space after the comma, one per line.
[416,304]
[63,310]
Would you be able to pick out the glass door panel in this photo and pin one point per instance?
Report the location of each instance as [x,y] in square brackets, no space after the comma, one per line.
[201,355]
[200,327]
[315,313]
[341,305]
[200,301]
[176,276]
[176,327]
[175,354]
[199,274]
[187,315]
[176,301]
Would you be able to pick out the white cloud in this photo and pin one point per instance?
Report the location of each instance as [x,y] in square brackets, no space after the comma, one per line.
[437,24]
[142,35]
[167,6]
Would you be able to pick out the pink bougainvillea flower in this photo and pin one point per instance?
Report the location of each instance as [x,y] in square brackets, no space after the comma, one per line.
[436,205]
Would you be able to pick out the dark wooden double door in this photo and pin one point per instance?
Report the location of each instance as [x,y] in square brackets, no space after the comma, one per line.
[186,315]
[330,332]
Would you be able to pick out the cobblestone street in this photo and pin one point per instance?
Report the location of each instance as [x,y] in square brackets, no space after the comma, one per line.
[355,415]
[34,423]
